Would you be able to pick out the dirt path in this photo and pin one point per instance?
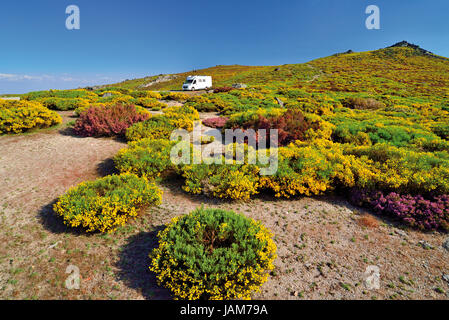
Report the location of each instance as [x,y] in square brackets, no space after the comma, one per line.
[35,169]
[43,165]
[317,76]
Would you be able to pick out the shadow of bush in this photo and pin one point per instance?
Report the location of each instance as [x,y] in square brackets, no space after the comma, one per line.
[133,264]
[106,168]
[54,223]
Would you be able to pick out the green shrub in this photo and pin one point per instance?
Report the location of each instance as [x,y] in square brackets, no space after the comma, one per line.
[107,203]
[161,126]
[158,127]
[62,94]
[177,96]
[390,168]
[64,104]
[115,99]
[237,120]
[146,94]
[146,157]
[150,103]
[441,130]
[230,181]
[22,116]
[101,91]
[362,103]
[213,254]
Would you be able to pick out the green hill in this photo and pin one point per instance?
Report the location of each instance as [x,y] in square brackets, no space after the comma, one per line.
[401,70]
[375,122]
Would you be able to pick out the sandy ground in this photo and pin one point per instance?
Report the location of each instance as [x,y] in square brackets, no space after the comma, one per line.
[324,244]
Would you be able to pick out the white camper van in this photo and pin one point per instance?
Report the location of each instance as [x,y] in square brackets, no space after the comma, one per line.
[197,83]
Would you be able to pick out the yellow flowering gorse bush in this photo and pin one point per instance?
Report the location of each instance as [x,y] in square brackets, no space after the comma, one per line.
[22,116]
[213,254]
[105,204]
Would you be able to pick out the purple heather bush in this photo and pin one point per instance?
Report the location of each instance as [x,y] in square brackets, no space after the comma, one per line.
[217,122]
[430,213]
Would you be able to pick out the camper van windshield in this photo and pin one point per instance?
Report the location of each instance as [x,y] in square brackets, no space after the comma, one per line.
[189,81]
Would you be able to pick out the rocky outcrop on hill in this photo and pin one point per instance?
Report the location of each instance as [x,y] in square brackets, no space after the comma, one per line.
[346,52]
[239,86]
[405,44]
[161,78]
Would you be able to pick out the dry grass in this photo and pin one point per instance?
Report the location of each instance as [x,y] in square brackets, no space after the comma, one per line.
[369,221]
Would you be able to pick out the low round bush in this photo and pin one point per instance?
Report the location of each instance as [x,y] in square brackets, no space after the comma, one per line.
[64,104]
[117,99]
[213,254]
[158,127]
[22,116]
[109,120]
[161,126]
[107,203]
[150,103]
[177,96]
[146,94]
[62,94]
[224,181]
[362,103]
[146,157]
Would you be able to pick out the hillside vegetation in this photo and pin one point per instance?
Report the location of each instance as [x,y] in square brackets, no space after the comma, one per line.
[373,125]
[399,71]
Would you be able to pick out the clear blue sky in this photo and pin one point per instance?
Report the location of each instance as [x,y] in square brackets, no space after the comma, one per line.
[135,38]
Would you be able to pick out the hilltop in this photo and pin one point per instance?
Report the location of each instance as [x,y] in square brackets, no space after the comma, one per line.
[402,69]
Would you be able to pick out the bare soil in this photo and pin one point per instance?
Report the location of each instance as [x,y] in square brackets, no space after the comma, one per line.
[324,244]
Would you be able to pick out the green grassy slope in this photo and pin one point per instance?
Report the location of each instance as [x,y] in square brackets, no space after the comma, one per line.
[400,71]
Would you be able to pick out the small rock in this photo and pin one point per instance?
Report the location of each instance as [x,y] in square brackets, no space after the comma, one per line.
[425,245]
[446,277]
[239,86]
[446,244]
[295,293]
[107,95]
[280,102]
[402,233]
[54,245]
